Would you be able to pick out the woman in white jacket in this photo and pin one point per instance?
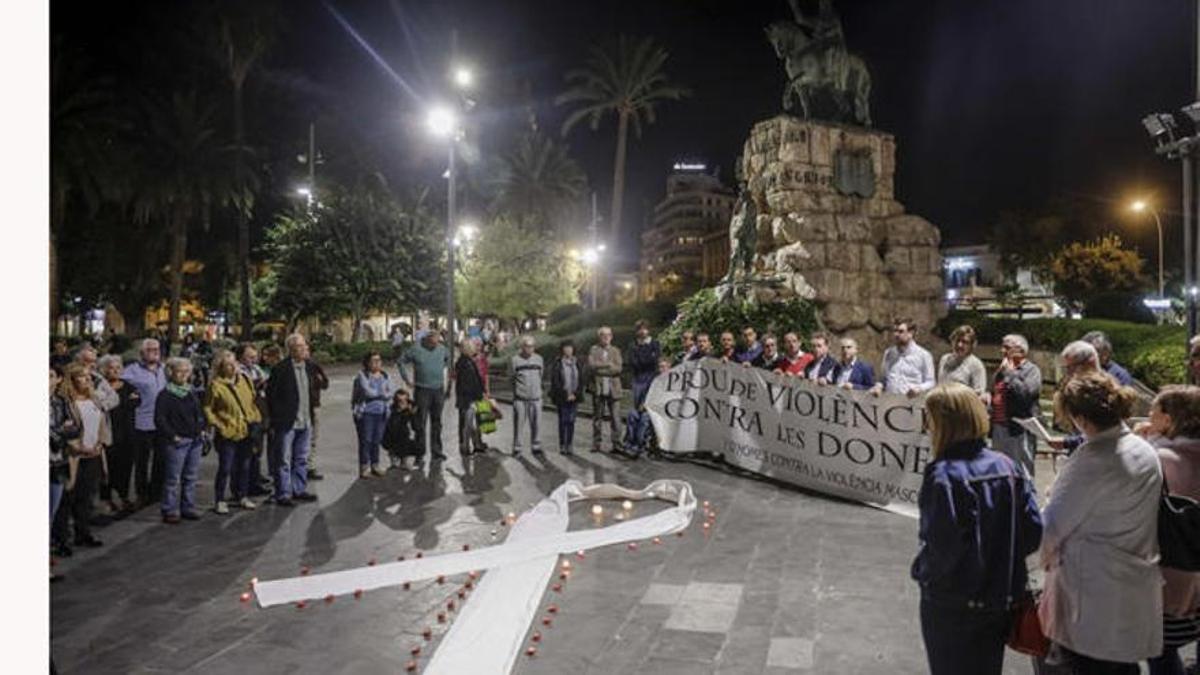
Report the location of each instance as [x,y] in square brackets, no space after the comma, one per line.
[1102,605]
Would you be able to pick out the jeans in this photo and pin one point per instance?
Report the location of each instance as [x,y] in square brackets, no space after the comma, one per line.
[289,461]
[429,416]
[315,429]
[233,468]
[637,431]
[961,640]
[531,411]
[566,424]
[148,465]
[640,389]
[610,407]
[56,493]
[181,466]
[469,436]
[370,428]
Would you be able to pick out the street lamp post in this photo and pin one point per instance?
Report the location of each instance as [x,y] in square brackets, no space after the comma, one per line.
[1139,207]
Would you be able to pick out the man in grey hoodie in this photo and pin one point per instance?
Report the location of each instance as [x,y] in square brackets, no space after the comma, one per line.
[525,370]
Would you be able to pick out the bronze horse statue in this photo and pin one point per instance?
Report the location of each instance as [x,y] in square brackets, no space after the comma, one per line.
[818,59]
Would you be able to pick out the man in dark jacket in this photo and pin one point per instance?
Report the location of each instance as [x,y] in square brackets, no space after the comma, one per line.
[769,357]
[822,364]
[852,372]
[289,398]
[643,360]
[566,390]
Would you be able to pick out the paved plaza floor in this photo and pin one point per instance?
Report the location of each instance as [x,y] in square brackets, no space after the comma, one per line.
[784,582]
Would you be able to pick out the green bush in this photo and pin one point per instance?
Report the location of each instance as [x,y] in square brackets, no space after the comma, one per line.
[1161,364]
[1145,349]
[703,312]
[659,314]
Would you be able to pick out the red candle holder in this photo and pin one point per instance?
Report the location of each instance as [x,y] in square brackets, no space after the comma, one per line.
[329,599]
[358,594]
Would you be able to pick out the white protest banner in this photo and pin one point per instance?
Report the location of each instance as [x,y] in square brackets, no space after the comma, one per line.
[852,444]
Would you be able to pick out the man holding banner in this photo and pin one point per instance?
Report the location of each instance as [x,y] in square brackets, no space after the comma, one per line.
[907,366]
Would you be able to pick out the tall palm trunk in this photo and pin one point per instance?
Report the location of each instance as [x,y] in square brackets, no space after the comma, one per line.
[178,254]
[243,222]
[618,200]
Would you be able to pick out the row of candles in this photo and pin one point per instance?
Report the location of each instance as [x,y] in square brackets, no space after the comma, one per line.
[566,567]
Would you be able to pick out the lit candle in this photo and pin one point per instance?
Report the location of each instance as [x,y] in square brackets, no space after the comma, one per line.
[566,564]
[627,505]
[620,516]
[597,510]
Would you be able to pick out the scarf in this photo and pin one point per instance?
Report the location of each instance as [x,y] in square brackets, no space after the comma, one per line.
[181,391]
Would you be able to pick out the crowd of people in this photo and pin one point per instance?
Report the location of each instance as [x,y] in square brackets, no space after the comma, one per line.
[133,435]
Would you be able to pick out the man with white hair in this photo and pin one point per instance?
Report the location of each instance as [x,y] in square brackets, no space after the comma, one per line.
[604,368]
[149,378]
[289,398]
[1079,357]
[525,371]
[1016,388]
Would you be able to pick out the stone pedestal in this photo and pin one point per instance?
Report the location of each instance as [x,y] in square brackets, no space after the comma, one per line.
[827,212]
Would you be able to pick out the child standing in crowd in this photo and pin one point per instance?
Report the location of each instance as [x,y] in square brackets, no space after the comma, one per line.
[400,436]
[179,419]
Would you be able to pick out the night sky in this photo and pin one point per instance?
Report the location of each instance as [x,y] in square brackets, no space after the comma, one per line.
[996,105]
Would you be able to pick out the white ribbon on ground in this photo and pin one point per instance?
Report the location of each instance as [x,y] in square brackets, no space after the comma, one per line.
[490,628]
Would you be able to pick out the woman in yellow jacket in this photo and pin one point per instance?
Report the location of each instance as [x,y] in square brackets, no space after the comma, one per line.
[232,411]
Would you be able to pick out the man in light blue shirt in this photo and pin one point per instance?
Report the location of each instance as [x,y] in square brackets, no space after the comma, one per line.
[149,378]
[907,367]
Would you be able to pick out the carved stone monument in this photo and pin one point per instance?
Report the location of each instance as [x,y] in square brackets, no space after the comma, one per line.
[828,225]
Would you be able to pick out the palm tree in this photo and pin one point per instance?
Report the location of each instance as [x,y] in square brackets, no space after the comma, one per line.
[241,42]
[83,123]
[540,181]
[627,80]
[184,176]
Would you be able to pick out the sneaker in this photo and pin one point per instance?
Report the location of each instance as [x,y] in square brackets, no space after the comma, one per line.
[376,471]
[221,508]
[313,474]
[566,451]
[247,504]
[305,497]
[283,501]
[537,452]
[364,472]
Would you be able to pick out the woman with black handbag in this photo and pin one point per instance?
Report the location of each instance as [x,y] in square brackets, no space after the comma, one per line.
[1174,430]
[979,520]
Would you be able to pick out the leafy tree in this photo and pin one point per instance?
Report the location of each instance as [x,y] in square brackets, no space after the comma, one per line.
[627,80]
[358,252]
[1083,270]
[513,272]
[539,182]
[703,312]
[1027,240]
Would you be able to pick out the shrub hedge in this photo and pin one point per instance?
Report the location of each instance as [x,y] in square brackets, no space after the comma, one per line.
[1156,355]
[703,312]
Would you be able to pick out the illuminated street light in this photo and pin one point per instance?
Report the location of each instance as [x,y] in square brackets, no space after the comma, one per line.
[304,192]
[463,77]
[442,122]
[1140,206]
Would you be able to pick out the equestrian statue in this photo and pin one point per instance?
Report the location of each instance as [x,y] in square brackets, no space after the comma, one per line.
[814,54]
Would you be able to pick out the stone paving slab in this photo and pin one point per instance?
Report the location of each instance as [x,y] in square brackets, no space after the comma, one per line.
[785,582]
